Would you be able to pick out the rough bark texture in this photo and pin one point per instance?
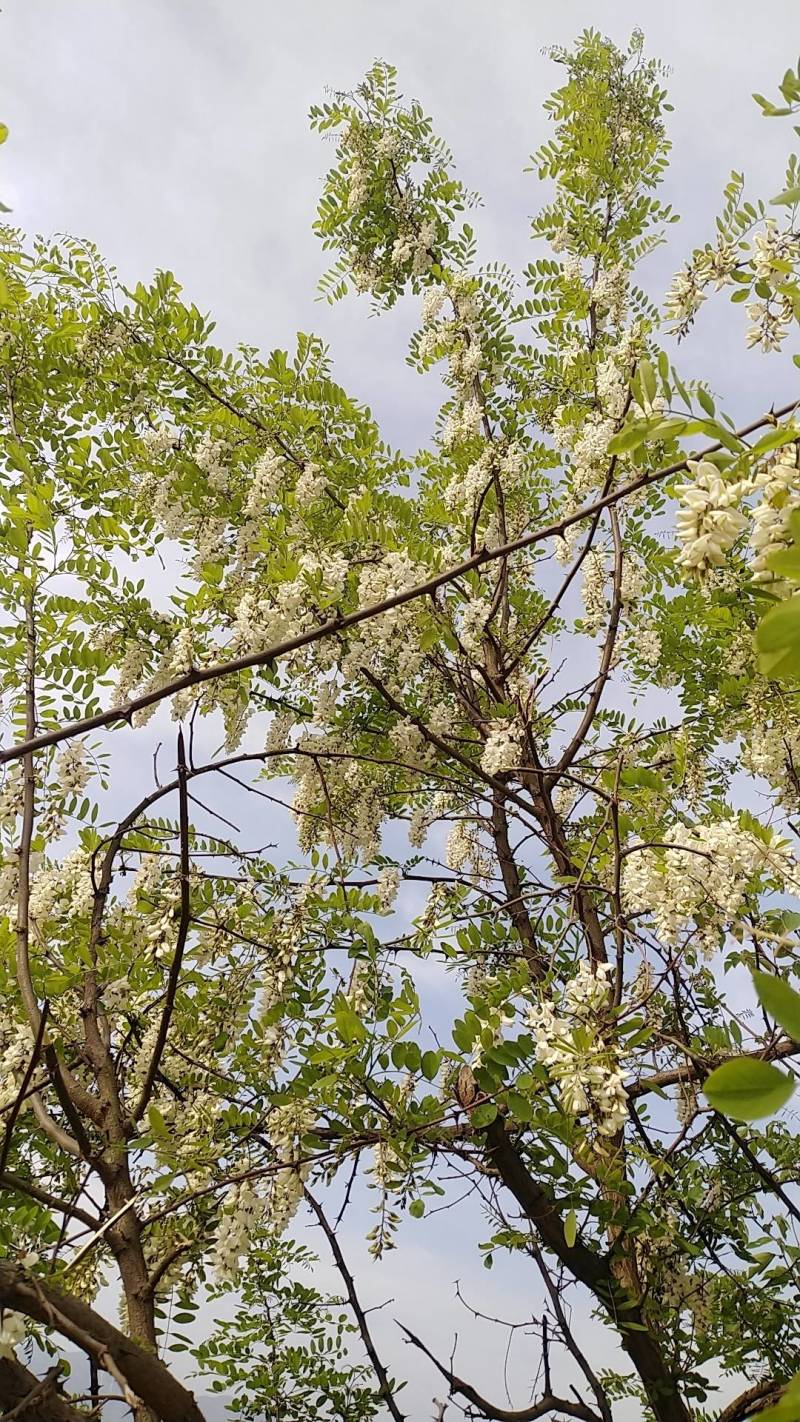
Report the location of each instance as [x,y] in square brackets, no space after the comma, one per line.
[141,1369]
[46,1405]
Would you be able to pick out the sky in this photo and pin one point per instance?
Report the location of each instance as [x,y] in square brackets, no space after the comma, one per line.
[174,134]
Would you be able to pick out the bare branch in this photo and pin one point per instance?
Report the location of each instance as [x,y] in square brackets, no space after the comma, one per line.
[385,1390]
[546,1404]
[183,930]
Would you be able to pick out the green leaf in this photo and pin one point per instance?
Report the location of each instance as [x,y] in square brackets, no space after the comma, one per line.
[780,1001]
[786,434]
[778,640]
[3,132]
[349,1026]
[788,197]
[787,1408]
[648,378]
[786,562]
[430,1065]
[519,1106]
[417,1209]
[748,1089]
[571,1229]
[157,1123]
[483,1115]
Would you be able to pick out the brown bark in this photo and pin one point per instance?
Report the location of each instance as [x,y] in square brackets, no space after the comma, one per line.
[141,1370]
[512,883]
[46,1404]
[594,1272]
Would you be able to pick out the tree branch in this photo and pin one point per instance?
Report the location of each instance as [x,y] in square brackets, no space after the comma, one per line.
[342,622]
[26,1398]
[180,944]
[142,1371]
[504,1414]
[385,1391]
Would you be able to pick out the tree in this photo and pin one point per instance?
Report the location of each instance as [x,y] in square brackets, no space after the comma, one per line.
[198,1042]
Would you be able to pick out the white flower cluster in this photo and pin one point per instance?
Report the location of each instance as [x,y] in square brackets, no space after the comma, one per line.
[131,669]
[593,592]
[65,888]
[16,1045]
[710,519]
[11,793]
[391,638]
[387,887]
[284,939]
[287,1126]
[703,877]
[773,250]
[770,322]
[432,302]
[310,484]
[473,615]
[684,298]
[463,423]
[13,1329]
[584,1065]
[241,1214]
[72,771]
[503,748]
[424,816]
[414,246]
[610,293]
[647,645]
[209,457]
[774,255]
[590,453]
[161,501]
[264,484]
[162,927]
[771,748]
[465,853]
[779,483]
[160,440]
[612,387]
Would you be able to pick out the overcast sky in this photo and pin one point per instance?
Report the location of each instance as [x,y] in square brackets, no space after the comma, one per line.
[174,133]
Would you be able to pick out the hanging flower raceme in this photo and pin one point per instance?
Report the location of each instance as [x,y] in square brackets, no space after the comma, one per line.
[580,1054]
[710,519]
[704,876]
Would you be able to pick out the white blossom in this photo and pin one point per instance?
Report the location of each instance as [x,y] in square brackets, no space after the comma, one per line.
[503,748]
[13,1331]
[710,519]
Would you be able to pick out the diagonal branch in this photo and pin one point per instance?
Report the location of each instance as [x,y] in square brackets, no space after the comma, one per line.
[142,1371]
[594,1272]
[342,622]
[546,1404]
[32,1399]
[23,1087]
[385,1391]
[754,1400]
[183,931]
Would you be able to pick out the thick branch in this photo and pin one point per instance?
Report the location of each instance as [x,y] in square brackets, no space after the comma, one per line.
[141,1370]
[594,1271]
[25,1397]
[750,1403]
[180,944]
